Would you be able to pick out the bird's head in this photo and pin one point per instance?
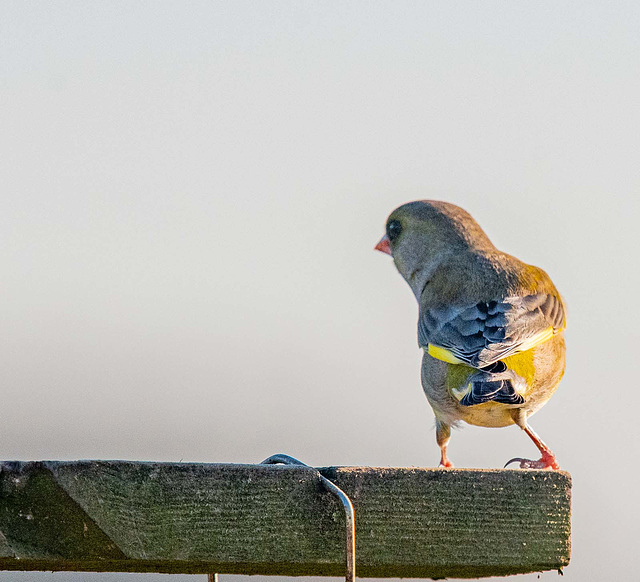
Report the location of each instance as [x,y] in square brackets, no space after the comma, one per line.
[421,235]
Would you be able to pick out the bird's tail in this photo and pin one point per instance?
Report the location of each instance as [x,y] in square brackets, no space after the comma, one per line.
[494,383]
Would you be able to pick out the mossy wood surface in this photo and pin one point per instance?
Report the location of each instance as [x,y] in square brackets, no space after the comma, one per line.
[256,519]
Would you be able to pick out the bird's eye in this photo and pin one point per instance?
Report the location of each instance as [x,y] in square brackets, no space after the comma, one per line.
[394,228]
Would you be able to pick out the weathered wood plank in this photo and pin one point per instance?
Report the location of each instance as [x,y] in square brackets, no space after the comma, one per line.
[256,519]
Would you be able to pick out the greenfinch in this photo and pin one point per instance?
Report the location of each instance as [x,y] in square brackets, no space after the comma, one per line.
[491,326]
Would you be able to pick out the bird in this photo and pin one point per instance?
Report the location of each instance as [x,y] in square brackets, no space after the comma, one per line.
[491,327]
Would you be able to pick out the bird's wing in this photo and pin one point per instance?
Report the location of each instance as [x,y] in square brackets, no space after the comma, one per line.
[481,334]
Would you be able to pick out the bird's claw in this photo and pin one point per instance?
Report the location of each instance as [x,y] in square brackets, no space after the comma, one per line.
[445,463]
[545,462]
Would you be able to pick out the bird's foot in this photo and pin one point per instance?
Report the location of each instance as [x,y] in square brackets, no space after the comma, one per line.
[547,461]
[445,463]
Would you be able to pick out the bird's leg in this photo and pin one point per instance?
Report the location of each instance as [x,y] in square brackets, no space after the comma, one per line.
[546,461]
[443,434]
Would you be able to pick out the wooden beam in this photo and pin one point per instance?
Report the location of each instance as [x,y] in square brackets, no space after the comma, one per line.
[123,516]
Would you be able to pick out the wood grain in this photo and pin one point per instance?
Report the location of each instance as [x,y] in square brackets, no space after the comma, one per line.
[257,519]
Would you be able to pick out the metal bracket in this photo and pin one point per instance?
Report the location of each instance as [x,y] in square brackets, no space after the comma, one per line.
[350,519]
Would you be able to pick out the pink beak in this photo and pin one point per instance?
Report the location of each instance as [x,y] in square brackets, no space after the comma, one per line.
[383,245]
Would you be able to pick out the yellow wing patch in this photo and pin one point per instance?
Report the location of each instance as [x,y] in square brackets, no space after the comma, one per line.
[536,339]
[443,354]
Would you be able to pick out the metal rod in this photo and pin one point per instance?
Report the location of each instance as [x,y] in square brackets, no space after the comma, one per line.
[350,518]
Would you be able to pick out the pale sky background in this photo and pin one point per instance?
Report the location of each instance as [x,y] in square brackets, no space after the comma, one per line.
[190,196]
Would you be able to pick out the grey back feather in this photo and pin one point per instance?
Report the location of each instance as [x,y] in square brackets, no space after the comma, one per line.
[481,334]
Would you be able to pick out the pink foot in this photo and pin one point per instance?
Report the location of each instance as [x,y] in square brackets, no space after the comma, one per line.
[446,463]
[547,461]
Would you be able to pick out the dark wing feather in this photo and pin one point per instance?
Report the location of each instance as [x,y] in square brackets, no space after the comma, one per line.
[486,332]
